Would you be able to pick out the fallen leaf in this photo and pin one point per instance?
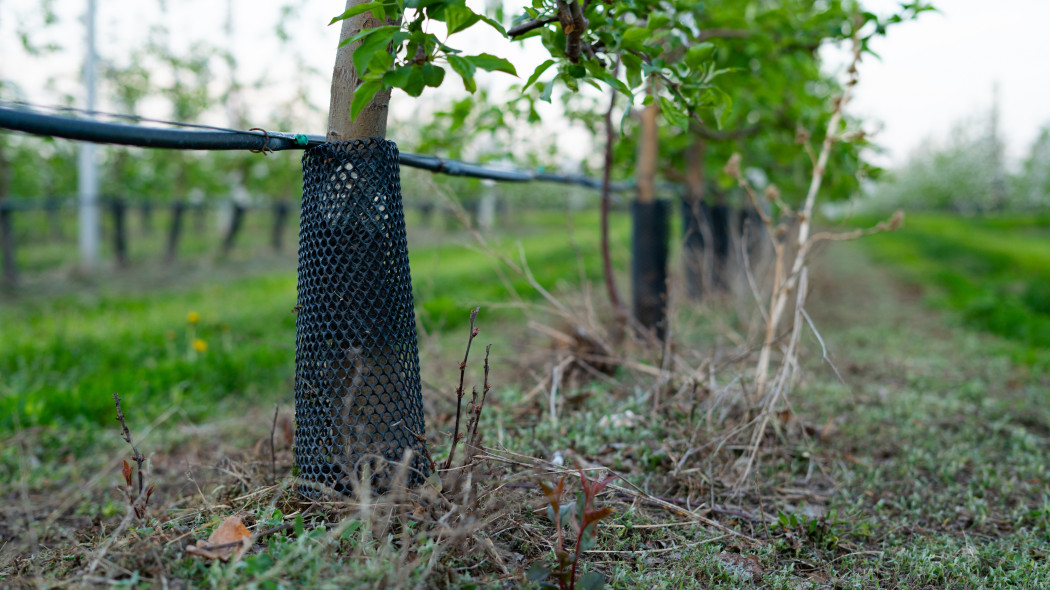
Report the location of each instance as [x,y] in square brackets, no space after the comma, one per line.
[231,538]
[746,565]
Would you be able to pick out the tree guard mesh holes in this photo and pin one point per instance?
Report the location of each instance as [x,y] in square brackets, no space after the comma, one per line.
[358,401]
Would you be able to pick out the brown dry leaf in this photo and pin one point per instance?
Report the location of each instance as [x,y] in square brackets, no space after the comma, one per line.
[231,538]
[747,565]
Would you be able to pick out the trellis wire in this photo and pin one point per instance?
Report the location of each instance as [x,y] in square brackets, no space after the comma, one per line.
[217,138]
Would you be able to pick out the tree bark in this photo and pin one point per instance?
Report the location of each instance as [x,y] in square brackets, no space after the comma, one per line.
[371,122]
[647,152]
[607,267]
[694,173]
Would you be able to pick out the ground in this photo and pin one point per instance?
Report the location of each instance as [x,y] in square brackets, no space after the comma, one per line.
[913,454]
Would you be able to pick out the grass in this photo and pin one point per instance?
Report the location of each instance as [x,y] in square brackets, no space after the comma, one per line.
[925,468]
[994,271]
[61,358]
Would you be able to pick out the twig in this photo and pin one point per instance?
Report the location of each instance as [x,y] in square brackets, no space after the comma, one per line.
[761,507]
[126,435]
[891,224]
[518,30]
[273,451]
[555,380]
[484,393]
[459,390]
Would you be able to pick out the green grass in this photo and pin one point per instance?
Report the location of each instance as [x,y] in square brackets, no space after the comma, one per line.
[994,272]
[40,246]
[61,359]
[933,474]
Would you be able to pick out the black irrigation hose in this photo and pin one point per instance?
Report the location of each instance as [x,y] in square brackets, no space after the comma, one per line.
[27,121]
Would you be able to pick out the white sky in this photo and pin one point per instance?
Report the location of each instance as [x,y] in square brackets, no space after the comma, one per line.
[942,69]
[933,73]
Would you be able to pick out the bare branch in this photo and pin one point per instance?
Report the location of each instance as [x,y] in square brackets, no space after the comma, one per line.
[532,25]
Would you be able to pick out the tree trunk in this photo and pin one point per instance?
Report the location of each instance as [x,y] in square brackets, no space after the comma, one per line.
[647,152]
[371,122]
[696,244]
[649,239]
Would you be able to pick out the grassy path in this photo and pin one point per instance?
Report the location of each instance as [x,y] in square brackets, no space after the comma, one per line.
[925,468]
[941,440]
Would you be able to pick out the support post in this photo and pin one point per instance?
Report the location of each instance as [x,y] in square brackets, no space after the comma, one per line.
[178,211]
[7,243]
[236,221]
[118,208]
[280,216]
[87,163]
[649,265]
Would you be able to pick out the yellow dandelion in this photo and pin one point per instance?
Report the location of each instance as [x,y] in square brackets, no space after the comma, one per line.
[199,345]
[193,317]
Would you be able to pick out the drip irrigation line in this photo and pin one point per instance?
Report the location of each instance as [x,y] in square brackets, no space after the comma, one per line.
[217,138]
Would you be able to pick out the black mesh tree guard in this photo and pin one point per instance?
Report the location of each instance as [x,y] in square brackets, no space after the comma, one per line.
[696,233]
[358,397]
[649,265]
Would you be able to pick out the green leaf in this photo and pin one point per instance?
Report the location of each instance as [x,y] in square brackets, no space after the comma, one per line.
[696,55]
[433,76]
[657,21]
[723,107]
[633,37]
[299,525]
[465,69]
[633,65]
[356,10]
[591,581]
[545,94]
[398,77]
[537,572]
[674,115]
[369,32]
[459,17]
[363,95]
[351,529]
[537,73]
[421,4]
[416,81]
[492,63]
[373,44]
[495,24]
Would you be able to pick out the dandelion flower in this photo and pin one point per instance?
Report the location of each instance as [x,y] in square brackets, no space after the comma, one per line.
[199,345]
[193,317]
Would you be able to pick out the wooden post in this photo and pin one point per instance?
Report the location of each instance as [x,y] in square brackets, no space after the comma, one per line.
[118,208]
[146,211]
[178,209]
[695,256]
[280,216]
[7,234]
[234,228]
[199,217]
[7,243]
[53,207]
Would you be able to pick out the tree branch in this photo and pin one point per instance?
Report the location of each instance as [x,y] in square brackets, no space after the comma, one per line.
[532,25]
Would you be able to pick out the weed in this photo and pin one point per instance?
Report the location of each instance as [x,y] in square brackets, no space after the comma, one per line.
[138,499]
[583,517]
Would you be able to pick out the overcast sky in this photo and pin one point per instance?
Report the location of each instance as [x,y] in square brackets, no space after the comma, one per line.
[932,73]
